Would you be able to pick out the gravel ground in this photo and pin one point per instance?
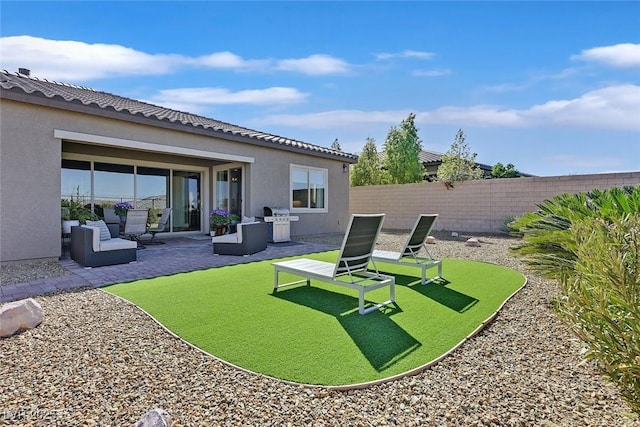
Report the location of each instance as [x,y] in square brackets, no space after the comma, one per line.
[30,272]
[96,360]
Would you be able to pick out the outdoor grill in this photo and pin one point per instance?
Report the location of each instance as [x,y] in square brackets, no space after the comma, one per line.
[279,222]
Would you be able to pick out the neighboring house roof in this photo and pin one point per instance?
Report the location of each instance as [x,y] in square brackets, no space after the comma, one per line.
[431,158]
[21,87]
[434,159]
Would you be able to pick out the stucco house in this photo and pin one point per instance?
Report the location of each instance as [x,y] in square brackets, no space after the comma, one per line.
[59,141]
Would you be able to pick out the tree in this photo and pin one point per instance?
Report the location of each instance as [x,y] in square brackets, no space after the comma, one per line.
[402,149]
[458,164]
[500,171]
[368,170]
[335,145]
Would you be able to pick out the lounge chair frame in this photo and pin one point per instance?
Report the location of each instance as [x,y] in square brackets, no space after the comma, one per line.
[136,225]
[410,254]
[352,268]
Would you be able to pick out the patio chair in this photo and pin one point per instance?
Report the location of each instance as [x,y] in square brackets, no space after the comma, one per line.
[136,225]
[352,267]
[162,226]
[112,220]
[410,254]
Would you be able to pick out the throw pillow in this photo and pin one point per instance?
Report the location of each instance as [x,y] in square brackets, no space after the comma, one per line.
[105,234]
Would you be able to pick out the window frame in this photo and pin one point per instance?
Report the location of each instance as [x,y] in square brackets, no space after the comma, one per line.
[307,169]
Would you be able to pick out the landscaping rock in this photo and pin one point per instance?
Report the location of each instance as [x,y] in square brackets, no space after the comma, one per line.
[20,315]
[430,240]
[157,417]
[473,242]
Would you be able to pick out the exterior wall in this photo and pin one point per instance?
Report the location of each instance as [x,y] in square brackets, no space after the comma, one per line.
[29,186]
[474,206]
[31,160]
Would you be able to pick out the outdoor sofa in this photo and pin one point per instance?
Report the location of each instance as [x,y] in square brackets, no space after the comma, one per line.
[94,246]
[250,237]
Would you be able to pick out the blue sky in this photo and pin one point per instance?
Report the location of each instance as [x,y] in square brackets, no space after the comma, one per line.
[552,87]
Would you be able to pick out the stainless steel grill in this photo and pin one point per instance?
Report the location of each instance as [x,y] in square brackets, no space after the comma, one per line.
[280,222]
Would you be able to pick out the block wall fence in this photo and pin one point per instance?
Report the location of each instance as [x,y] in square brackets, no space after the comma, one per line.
[474,206]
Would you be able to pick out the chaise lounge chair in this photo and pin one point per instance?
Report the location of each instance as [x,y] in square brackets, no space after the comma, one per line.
[410,254]
[351,270]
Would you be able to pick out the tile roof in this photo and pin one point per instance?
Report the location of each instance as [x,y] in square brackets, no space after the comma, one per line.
[92,98]
[430,157]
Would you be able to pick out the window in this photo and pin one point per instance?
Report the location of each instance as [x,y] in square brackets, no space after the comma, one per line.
[98,185]
[308,189]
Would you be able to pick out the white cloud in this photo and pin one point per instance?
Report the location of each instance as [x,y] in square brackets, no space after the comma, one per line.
[614,107]
[74,61]
[539,78]
[430,73]
[230,60]
[199,97]
[405,54]
[478,115]
[314,65]
[77,61]
[623,55]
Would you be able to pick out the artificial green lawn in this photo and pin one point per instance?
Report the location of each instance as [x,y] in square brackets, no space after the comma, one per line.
[315,334]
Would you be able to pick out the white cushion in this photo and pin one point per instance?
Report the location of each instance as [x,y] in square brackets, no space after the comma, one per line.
[105,234]
[117,243]
[228,238]
[95,242]
[108,245]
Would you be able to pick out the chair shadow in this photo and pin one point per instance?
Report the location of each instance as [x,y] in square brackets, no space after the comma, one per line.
[437,291]
[380,340]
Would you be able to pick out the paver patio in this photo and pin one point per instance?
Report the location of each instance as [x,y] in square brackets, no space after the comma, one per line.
[177,255]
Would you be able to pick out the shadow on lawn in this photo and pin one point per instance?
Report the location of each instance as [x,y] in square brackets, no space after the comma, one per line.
[437,291]
[380,340]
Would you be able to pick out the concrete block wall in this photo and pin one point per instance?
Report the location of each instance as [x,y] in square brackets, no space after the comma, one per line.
[474,206]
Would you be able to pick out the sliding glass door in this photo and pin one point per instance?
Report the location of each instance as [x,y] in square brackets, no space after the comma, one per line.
[102,184]
[152,188]
[229,191]
[186,201]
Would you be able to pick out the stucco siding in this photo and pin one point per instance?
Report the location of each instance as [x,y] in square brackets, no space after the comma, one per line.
[30,184]
[31,161]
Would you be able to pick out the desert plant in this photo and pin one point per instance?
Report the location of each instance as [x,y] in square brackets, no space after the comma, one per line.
[547,245]
[506,225]
[601,298]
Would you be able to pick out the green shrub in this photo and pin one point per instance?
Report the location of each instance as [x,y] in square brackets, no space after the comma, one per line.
[601,298]
[547,245]
[506,226]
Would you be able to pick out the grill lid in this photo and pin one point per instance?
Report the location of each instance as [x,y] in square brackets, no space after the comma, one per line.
[275,211]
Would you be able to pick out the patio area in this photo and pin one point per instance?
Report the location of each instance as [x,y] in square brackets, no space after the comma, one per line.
[177,255]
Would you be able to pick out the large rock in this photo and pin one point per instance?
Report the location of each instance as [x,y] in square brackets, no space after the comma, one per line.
[430,240]
[157,417]
[20,315]
[473,242]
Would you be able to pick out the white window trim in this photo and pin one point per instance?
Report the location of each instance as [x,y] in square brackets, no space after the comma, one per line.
[325,173]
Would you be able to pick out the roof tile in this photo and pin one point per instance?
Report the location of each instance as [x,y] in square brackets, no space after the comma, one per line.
[106,101]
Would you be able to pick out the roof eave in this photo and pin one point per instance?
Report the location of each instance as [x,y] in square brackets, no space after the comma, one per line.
[57,102]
